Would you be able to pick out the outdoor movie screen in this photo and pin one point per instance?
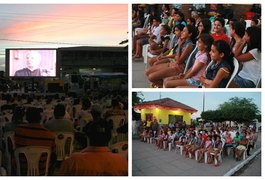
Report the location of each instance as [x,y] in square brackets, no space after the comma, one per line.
[31,62]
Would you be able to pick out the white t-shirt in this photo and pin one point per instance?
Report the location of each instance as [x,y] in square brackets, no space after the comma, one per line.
[252,69]
[156,32]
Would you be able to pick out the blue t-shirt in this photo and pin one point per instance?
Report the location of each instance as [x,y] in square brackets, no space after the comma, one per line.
[213,70]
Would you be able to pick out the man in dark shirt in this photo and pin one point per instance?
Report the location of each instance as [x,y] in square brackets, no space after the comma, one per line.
[33,66]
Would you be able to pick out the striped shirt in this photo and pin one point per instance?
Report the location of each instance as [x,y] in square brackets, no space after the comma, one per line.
[34,135]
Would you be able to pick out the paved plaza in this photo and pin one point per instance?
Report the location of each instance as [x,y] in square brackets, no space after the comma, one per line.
[147,160]
[139,79]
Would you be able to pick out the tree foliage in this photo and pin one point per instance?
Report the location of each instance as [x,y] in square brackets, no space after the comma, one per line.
[236,109]
[136,99]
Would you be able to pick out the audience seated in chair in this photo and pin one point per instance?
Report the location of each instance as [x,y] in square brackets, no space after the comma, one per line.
[59,123]
[33,134]
[96,159]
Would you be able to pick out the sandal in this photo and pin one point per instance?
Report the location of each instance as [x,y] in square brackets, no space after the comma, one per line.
[217,165]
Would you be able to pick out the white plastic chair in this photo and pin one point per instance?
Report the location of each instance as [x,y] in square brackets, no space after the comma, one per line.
[236,67]
[219,154]
[191,57]
[248,23]
[64,150]
[33,155]
[117,120]
[9,147]
[258,84]
[180,147]
[122,148]
[234,73]
[144,53]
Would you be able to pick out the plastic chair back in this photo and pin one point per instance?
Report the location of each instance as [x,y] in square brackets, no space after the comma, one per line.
[9,149]
[191,58]
[33,156]
[64,145]
[236,67]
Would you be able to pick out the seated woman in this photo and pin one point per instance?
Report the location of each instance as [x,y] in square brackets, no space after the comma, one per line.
[143,135]
[162,45]
[242,146]
[197,145]
[170,54]
[160,139]
[250,74]
[219,73]
[157,73]
[181,141]
[237,31]
[170,139]
[189,144]
[153,32]
[207,147]
[228,142]
[217,148]
[165,139]
[192,77]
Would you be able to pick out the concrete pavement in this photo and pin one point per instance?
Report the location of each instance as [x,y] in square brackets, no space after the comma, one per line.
[147,160]
[139,79]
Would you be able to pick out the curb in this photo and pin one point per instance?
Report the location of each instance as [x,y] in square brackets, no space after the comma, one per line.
[242,164]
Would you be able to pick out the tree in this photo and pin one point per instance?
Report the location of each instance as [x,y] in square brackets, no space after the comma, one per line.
[136,99]
[239,109]
[124,42]
[214,116]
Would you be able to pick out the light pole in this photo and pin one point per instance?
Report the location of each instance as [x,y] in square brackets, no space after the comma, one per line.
[203,101]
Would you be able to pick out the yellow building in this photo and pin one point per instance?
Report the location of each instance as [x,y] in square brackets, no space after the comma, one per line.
[165,111]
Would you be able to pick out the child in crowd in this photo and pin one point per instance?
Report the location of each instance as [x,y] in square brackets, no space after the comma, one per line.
[219,72]
[192,77]
[162,45]
[170,54]
[157,73]
[250,74]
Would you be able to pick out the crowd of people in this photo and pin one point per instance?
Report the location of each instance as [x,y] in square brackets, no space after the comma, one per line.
[34,120]
[206,141]
[198,50]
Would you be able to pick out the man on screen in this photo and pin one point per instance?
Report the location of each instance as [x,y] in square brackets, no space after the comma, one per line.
[33,66]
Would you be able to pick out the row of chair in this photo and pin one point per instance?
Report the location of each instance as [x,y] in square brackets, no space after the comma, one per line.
[181,147]
[64,148]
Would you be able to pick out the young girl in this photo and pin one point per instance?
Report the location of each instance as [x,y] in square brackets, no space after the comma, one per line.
[207,147]
[250,74]
[219,72]
[237,31]
[204,26]
[157,73]
[191,21]
[192,77]
[217,147]
[162,45]
[170,53]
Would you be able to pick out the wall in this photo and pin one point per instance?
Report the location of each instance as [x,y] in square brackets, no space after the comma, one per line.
[163,115]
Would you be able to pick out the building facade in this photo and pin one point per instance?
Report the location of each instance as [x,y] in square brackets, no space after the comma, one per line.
[165,111]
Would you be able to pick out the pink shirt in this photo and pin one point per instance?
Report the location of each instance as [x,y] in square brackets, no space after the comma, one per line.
[200,58]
